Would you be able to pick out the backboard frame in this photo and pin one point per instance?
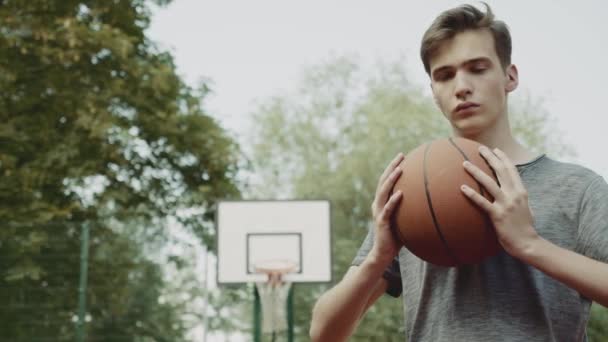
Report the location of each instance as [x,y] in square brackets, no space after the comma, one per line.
[328,268]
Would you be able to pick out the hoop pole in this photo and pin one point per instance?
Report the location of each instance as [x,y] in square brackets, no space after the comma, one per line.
[257,322]
[290,314]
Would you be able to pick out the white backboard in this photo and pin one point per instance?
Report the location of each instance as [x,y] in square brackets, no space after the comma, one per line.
[296,230]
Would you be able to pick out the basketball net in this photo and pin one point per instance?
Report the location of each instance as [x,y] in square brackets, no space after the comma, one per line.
[274,293]
[274,306]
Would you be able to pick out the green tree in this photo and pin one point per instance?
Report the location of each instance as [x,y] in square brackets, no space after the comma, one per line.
[96,126]
[332,139]
[598,324]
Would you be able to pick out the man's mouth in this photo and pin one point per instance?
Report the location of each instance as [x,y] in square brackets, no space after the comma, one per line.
[465,108]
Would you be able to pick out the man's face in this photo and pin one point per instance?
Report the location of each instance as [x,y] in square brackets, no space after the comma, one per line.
[469,84]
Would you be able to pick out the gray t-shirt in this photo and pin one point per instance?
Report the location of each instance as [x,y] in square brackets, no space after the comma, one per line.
[503,299]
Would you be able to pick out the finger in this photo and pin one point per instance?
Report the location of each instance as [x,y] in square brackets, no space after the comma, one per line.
[477,198]
[391,166]
[386,187]
[390,206]
[497,165]
[510,166]
[486,181]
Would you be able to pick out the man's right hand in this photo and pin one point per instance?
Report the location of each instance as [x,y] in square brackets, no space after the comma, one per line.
[386,246]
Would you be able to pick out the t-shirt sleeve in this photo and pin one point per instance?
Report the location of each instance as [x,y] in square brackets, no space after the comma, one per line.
[392,273]
[593,221]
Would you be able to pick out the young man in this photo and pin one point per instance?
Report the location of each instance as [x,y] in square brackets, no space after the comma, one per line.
[551,218]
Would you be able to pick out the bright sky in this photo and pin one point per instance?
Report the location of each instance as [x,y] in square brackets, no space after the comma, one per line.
[253,49]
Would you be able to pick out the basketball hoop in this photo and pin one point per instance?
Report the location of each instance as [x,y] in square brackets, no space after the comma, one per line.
[273,294]
[275,266]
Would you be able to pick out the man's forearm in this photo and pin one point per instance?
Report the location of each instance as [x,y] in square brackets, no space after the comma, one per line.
[583,274]
[337,312]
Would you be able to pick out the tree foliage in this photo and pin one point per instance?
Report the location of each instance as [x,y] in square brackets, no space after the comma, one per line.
[332,138]
[97,127]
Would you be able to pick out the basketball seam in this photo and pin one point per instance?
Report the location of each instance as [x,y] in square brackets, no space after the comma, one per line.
[430,205]
[488,222]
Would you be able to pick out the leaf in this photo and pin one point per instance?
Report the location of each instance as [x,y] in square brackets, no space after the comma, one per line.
[23,272]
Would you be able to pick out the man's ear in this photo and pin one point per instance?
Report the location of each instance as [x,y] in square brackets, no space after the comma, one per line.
[512,78]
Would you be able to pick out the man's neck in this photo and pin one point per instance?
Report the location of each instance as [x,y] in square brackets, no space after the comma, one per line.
[501,138]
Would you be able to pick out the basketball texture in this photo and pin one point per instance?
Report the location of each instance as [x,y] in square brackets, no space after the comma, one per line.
[434,219]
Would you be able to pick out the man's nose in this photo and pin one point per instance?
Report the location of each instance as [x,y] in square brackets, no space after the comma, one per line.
[463,87]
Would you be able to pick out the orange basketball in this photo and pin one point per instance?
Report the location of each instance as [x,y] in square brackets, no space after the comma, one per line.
[434,219]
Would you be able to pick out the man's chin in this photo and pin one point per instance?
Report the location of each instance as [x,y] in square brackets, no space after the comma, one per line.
[469,130]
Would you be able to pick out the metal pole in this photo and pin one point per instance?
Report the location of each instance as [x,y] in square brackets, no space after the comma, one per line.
[82,289]
[257,322]
[206,294]
[290,314]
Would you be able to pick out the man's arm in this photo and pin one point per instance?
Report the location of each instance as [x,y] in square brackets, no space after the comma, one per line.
[583,274]
[338,311]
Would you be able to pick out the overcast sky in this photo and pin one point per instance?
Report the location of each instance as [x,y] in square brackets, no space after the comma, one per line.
[253,49]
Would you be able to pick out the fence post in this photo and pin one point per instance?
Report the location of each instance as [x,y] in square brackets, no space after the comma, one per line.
[82,288]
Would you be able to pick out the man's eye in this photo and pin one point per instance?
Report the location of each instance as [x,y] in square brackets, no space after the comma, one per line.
[479,69]
[444,76]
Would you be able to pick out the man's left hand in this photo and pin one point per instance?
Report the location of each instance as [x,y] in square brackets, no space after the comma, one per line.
[510,211]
